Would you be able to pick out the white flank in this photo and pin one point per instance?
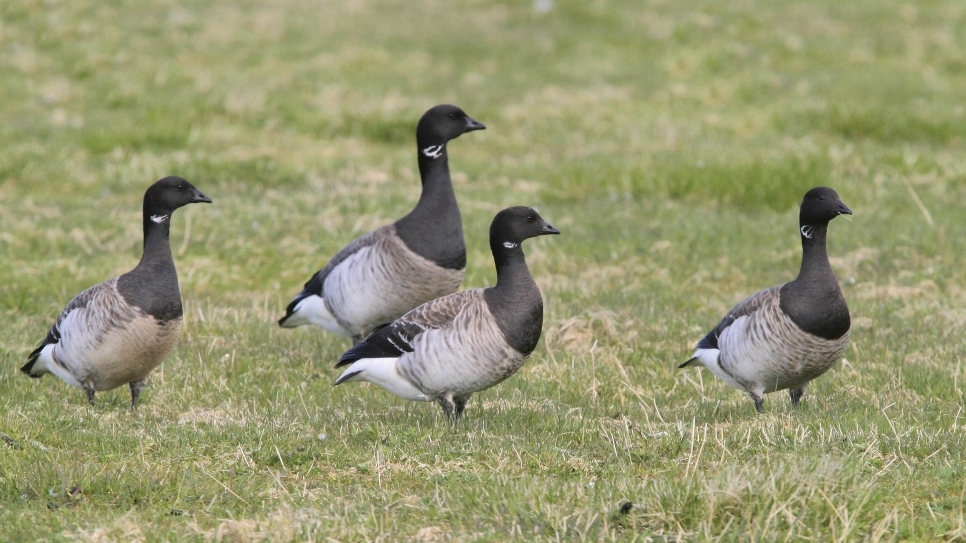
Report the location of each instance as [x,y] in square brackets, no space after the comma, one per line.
[46,363]
[382,372]
[312,310]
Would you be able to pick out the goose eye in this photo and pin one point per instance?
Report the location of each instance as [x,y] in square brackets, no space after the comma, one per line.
[452,115]
[821,197]
[531,218]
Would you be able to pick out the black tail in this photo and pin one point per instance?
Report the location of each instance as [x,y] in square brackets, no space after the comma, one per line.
[346,377]
[31,360]
[371,347]
[688,363]
[291,307]
[362,350]
[53,336]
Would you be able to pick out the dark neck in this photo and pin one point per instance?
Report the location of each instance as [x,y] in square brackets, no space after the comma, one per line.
[157,247]
[512,272]
[515,301]
[434,228]
[153,285]
[815,265]
[814,300]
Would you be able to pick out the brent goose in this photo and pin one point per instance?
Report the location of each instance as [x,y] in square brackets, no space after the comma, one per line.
[785,336]
[116,332]
[385,273]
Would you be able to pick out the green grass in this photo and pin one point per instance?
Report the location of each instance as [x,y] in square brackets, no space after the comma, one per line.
[670,142]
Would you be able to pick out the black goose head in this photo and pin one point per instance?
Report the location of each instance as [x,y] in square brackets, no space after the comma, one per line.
[820,206]
[441,124]
[169,194]
[515,224]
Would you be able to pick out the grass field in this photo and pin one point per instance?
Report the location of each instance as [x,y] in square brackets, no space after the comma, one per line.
[670,142]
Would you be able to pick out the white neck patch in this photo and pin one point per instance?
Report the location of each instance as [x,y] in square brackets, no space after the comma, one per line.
[159,218]
[433,151]
[807,231]
[509,244]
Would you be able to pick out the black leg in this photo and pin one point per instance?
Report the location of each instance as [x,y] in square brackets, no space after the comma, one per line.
[89,388]
[796,395]
[446,402]
[460,402]
[759,402]
[136,387]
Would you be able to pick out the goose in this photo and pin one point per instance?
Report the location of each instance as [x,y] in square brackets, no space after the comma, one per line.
[117,331]
[381,275]
[449,348]
[787,335]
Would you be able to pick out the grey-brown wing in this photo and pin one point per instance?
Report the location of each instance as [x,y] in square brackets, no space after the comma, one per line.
[91,301]
[316,283]
[394,339]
